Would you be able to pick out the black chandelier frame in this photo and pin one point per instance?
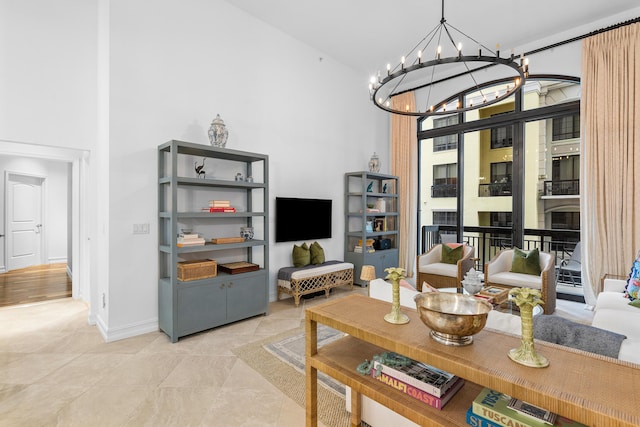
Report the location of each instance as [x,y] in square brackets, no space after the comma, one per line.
[397,77]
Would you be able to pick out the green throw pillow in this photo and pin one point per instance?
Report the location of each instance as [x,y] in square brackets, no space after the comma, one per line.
[301,255]
[452,255]
[526,262]
[317,253]
[635,303]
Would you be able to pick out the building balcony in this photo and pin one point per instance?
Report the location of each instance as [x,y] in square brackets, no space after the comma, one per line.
[567,187]
[495,189]
[444,190]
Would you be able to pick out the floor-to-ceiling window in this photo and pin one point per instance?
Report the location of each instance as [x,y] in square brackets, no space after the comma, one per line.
[505,156]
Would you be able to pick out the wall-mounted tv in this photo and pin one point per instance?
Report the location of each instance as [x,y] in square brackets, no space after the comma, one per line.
[302,219]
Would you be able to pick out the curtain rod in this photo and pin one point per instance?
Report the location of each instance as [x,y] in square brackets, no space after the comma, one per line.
[584,36]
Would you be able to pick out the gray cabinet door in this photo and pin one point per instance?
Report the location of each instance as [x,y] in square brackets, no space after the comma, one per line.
[245,297]
[201,307]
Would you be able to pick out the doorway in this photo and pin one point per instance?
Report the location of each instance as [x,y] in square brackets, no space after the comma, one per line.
[63,219]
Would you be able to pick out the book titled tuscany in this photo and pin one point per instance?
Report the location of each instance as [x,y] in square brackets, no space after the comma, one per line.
[421,395]
[490,409]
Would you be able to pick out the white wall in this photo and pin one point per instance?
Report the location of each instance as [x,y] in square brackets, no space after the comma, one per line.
[55,203]
[175,66]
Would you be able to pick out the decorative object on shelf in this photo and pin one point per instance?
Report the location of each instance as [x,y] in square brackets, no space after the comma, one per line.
[452,318]
[249,179]
[239,177]
[367,274]
[200,168]
[384,188]
[381,205]
[472,282]
[369,227]
[238,267]
[246,233]
[374,163]
[526,299]
[470,70]
[218,132]
[370,187]
[396,316]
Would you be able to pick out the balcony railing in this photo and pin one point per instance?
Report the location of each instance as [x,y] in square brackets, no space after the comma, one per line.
[567,187]
[490,240]
[444,190]
[495,189]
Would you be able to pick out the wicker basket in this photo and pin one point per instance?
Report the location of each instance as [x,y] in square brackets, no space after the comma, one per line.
[197,269]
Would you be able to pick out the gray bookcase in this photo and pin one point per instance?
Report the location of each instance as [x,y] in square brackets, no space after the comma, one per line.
[187,307]
[371,199]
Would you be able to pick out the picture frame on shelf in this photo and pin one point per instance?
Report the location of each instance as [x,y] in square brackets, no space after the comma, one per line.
[379,225]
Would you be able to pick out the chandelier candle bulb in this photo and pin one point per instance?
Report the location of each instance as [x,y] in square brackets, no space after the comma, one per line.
[419,57]
[438,52]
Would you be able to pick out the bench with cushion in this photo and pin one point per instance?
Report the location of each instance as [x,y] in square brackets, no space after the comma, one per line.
[298,281]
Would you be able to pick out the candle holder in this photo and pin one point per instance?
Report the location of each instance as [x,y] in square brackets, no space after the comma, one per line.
[526,299]
[396,316]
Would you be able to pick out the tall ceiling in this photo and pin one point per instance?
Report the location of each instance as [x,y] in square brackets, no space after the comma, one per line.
[366,34]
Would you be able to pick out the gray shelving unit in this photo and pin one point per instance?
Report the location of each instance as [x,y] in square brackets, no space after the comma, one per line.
[187,307]
[365,193]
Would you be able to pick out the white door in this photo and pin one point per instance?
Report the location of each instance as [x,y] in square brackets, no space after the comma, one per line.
[24,221]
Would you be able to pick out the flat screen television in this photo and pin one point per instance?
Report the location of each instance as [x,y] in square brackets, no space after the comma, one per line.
[302,219]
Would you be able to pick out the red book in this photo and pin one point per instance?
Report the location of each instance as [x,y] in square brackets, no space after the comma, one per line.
[422,396]
[227,209]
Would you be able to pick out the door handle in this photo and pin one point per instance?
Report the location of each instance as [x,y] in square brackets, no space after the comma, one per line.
[39,228]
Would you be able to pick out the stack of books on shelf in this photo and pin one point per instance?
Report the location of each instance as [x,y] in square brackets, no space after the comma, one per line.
[219,206]
[493,409]
[423,382]
[368,249]
[190,239]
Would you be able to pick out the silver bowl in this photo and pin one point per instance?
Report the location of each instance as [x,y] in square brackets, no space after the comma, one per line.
[452,318]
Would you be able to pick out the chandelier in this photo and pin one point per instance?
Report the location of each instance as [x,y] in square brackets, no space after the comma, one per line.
[470,65]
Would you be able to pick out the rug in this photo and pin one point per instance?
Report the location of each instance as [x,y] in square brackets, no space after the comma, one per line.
[291,351]
[287,373]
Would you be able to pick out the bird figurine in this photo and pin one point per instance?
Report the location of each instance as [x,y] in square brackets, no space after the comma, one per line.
[370,187]
[200,168]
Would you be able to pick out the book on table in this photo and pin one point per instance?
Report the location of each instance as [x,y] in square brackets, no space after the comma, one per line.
[437,402]
[420,375]
[492,409]
[219,203]
[494,294]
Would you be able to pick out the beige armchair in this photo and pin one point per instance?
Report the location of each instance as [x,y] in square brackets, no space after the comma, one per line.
[498,272]
[432,270]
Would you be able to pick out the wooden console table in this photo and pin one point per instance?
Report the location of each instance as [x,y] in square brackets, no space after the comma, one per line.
[594,390]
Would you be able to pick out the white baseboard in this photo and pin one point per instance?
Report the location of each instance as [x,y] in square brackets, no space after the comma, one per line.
[128,331]
[57,260]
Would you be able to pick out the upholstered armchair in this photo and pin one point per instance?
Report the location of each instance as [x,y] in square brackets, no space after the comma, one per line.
[498,272]
[439,274]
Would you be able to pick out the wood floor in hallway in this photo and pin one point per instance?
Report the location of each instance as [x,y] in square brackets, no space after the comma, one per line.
[34,284]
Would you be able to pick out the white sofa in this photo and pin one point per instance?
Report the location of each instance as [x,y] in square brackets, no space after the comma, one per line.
[612,313]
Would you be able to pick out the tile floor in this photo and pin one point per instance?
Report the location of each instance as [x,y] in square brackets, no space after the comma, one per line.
[58,371]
